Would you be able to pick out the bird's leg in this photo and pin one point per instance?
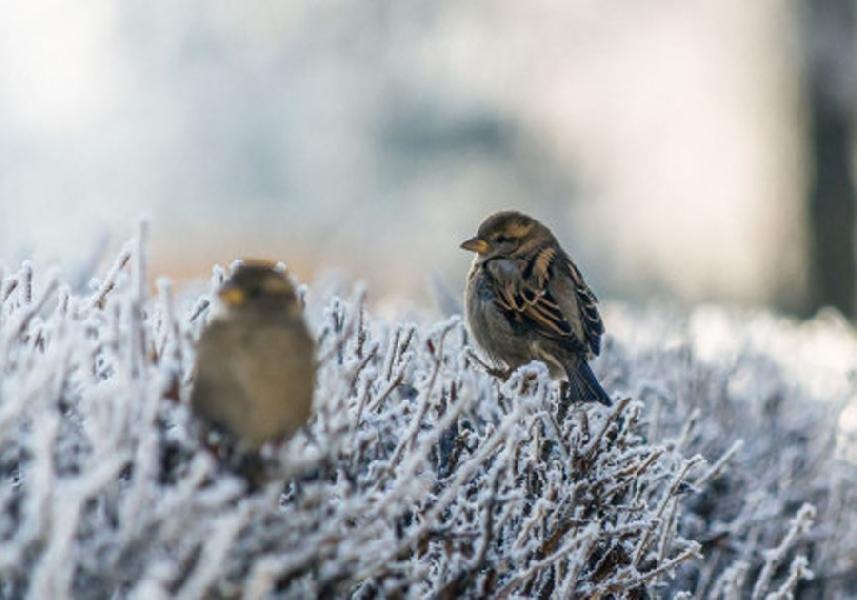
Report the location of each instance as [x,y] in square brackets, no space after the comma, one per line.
[565,401]
[500,373]
[252,467]
[497,372]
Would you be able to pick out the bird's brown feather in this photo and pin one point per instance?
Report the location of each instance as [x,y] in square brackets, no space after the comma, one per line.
[529,292]
[529,299]
[587,302]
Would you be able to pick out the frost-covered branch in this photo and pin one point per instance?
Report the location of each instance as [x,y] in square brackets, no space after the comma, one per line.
[423,472]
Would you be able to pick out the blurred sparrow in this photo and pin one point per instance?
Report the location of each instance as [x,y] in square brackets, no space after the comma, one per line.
[526,300]
[255,368]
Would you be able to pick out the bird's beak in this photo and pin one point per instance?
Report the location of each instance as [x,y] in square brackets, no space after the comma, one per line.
[476,245]
[231,295]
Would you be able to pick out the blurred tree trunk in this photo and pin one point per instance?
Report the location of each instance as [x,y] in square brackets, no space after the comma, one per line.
[831,69]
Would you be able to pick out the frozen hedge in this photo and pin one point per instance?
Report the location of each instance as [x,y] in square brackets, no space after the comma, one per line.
[721,472]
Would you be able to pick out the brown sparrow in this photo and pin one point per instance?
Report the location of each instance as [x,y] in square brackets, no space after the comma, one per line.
[526,300]
[255,364]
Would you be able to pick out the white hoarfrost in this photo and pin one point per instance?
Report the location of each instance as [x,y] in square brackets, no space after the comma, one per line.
[721,471]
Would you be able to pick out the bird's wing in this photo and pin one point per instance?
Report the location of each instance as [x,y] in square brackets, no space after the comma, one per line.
[217,391]
[548,291]
[587,307]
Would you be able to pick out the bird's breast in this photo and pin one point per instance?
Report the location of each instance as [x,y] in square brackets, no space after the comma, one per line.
[492,328]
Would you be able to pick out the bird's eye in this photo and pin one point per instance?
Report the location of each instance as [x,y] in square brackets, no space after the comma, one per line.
[501,239]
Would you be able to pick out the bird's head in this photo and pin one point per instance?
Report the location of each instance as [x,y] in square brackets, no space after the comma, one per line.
[258,287]
[508,234]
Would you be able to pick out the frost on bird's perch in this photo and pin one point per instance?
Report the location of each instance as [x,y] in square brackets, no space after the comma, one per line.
[419,473]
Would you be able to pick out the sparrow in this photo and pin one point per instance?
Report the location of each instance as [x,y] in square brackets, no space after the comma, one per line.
[255,362]
[526,300]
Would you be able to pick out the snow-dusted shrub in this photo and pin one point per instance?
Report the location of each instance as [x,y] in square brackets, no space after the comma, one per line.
[768,392]
[420,474]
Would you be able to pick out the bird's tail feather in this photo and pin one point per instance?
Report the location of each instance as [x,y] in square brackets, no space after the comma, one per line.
[584,386]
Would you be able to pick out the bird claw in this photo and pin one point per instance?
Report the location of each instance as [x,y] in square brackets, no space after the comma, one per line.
[565,401]
[499,373]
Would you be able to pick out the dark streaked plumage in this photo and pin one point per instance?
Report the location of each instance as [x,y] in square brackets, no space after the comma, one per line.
[526,300]
[255,370]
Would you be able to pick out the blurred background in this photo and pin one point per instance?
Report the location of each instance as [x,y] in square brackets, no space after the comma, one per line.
[681,149]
